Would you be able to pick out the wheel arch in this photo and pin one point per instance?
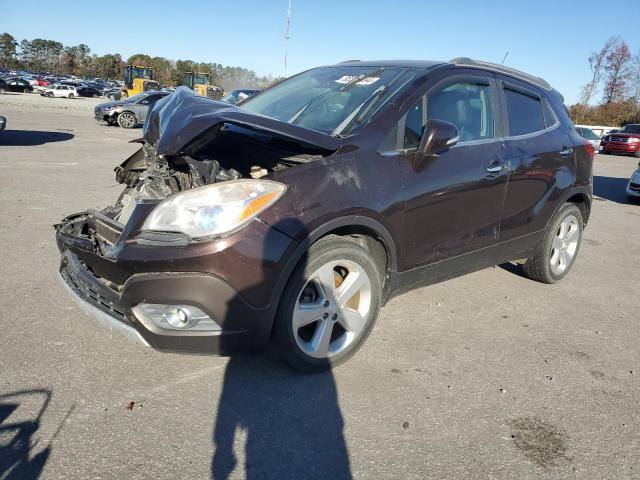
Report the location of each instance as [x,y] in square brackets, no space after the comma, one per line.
[581,198]
[364,230]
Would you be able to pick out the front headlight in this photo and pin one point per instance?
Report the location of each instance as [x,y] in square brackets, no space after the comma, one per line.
[214,209]
[634,140]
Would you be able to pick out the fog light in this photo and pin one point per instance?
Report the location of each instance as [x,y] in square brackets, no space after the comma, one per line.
[175,317]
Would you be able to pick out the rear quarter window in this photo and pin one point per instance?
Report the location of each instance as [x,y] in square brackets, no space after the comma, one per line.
[525,113]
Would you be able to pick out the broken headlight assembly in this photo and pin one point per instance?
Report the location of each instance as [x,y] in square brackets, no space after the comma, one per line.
[214,209]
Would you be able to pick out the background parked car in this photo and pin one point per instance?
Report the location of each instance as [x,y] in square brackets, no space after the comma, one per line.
[590,136]
[633,188]
[624,141]
[68,91]
[130,112]
[15,85]
[236,96]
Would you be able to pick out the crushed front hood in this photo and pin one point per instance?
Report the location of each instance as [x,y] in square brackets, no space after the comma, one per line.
[182,116]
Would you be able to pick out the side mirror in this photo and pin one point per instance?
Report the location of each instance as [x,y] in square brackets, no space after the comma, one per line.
[438,137]
[3,123]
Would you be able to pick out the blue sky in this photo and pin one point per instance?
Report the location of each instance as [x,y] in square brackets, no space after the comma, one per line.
[551,39]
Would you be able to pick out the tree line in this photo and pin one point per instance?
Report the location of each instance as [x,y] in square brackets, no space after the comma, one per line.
[50,56]
[614,84]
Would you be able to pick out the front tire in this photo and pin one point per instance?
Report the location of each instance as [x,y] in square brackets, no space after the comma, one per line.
[329,306]
[127,120]
[555,254]
[71,95]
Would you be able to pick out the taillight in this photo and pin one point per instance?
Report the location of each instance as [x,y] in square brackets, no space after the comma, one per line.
[591,150]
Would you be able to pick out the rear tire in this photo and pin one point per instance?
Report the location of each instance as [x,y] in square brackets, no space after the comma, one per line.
[339,283]
[71,95]
[556,252]
[633,199]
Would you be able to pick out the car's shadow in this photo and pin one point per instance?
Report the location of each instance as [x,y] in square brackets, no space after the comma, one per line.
[611,188]
[286,424]
[29,138]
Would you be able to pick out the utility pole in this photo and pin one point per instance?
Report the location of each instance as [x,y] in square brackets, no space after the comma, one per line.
[286,37]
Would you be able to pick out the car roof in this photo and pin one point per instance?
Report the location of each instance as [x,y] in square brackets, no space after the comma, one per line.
[424,64]
[459,61]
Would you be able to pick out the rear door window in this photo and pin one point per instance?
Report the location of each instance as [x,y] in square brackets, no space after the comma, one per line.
[525,113]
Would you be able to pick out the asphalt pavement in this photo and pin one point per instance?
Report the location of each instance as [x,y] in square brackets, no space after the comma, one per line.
[489,375]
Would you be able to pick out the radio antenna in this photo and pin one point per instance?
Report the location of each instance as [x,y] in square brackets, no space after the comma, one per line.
[286,37]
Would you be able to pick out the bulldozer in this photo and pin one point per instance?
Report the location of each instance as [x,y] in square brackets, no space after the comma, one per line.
[201,84]
[138,79]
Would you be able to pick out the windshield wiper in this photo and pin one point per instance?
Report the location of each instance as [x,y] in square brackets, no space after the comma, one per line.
[375,95]
[342,88]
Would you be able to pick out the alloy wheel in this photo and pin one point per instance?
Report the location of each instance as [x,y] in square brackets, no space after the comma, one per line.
[332,309]
[126,120]
[564,245]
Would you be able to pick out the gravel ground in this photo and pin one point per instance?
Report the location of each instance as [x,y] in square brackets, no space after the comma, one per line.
[486,375]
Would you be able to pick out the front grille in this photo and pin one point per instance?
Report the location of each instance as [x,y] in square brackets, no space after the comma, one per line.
[91,295]
[635,186]
[619,139]
[96,111]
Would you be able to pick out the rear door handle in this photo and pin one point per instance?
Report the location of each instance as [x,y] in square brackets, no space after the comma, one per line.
[566,151]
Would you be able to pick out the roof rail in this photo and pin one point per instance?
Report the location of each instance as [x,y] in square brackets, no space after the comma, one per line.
[541,82]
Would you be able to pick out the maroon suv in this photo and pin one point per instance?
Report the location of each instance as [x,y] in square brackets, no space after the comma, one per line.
[624,141]
[298,214]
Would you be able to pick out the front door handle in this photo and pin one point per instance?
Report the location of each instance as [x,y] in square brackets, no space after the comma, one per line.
[495,167]
[565,151]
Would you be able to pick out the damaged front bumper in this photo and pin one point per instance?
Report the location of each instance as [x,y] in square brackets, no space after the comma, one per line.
[109,279]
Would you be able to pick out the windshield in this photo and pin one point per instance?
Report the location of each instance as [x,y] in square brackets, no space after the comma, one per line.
[141,72]
[634,128]
[135,98]
[589,134]
[199,79]
[333,100]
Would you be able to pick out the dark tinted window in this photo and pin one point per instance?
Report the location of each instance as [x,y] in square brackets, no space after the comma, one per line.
[550,117]
[466,105]
[631,128]
[525,113]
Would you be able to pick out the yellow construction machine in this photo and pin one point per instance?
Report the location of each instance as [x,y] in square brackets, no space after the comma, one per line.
[201,84]
[138,79]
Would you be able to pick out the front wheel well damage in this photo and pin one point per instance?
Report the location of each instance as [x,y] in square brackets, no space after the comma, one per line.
[369,240]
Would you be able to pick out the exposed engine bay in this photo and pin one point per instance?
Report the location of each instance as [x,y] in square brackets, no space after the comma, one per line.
[227,153]
[190,142]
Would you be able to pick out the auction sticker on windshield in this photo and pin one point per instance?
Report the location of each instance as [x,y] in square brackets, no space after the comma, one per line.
[352,78]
